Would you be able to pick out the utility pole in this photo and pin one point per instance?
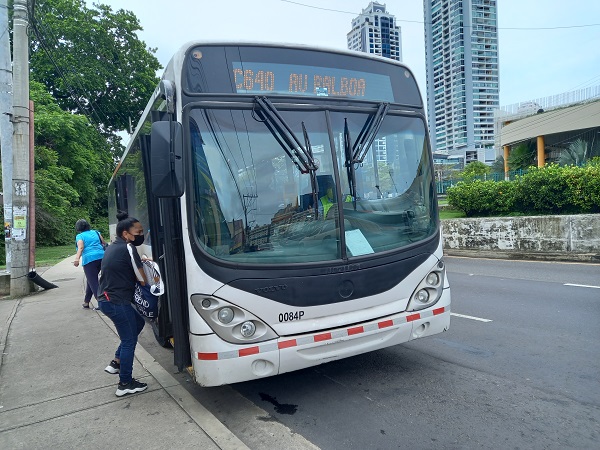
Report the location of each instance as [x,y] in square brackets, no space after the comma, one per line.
[6,128]
[247,199]
[19,282]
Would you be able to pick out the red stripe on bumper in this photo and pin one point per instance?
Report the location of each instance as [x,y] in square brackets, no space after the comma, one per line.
[249,351]
[385,324]
[438,311]
[413,317]
[322,337]
[287,344]
[208,356]
[355,330]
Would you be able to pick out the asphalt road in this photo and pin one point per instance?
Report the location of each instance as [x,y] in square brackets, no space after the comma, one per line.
[519,368]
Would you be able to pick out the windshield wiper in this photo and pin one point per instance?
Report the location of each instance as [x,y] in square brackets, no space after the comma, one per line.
[350,170]
[283,134]
[301,156]
[313,173]
[355,154]
[368,133]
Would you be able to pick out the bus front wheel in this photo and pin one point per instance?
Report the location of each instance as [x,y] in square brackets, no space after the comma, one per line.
[162,341]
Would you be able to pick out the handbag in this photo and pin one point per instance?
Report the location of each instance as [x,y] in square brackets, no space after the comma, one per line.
[102,243]
[145,297]
[144,302]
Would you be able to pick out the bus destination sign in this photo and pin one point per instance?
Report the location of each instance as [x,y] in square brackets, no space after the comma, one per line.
[291,79]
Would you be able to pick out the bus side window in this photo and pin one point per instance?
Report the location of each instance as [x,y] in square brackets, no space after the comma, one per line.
[217,235]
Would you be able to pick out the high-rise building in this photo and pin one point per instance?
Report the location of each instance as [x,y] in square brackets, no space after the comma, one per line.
[461,49]
[375,31]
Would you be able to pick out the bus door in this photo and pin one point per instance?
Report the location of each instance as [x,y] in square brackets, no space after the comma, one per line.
[164,216]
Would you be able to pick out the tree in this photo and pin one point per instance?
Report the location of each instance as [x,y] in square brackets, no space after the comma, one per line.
[445,172]
[73,164]
[498,165]
[386,181]
[92,62]
[474,170]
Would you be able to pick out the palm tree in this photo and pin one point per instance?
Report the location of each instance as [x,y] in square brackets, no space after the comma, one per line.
[575,154]
[522,156]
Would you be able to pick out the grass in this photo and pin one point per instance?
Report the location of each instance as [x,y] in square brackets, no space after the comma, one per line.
[451,214]
[49,256]
[446,212]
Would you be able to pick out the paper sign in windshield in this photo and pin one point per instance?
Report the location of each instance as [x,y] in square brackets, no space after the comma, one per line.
[357,243]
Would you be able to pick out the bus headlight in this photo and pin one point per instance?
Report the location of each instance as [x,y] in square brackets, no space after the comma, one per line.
[422,296]
[429,290]
[225,315]
[247,329]
[432,279]
[230,322]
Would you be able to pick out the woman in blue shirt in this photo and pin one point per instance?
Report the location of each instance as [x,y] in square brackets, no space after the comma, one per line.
[90,250]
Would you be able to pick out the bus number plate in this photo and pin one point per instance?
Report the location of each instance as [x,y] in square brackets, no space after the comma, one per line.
[289,316]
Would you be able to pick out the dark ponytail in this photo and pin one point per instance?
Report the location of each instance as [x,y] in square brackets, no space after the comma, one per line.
[125,223]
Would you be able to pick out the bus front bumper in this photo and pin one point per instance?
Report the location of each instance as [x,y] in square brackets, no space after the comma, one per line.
[217,362]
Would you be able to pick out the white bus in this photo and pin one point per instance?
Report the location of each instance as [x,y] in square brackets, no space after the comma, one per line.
[289,198]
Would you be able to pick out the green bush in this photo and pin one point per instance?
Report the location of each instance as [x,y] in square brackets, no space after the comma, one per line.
[584,187]
[547,190]
[483,198]
[544,190]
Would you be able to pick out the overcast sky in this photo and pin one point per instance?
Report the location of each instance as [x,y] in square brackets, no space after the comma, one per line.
[534,62]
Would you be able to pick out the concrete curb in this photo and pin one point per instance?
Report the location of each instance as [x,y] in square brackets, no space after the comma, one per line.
[588,258]
[6,327]
[218,432]
[41,408]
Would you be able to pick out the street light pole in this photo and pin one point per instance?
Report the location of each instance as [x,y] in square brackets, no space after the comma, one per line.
[19,283]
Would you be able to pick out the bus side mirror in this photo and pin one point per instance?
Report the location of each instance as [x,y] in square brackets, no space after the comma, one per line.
[166,159]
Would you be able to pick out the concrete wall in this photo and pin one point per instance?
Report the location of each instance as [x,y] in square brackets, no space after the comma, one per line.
[4,284]
[571,238]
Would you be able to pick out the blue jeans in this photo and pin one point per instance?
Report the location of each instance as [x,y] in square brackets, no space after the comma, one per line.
[91,270]
[129,325]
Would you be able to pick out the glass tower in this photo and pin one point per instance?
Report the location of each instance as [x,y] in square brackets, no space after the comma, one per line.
[461,50]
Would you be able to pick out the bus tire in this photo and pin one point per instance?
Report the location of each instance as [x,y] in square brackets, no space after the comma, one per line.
[162,341]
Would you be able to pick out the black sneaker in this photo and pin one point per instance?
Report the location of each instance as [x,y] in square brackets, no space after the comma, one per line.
[130,388]
[113,367]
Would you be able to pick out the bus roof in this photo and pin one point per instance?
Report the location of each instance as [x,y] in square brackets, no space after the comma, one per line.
[195,43]
[178,57]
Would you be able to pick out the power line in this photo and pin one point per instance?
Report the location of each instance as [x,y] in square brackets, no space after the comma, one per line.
[35,25]
[589,83]
[99,117]
[452,25]
[79,88]
[62,74]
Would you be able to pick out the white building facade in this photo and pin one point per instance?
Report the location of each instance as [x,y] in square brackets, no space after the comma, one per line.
[375,31]
[463,86]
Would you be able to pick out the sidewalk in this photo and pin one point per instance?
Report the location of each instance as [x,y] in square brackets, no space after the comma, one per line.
[54,392]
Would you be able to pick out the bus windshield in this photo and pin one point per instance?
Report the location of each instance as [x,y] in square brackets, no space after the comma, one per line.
[259,199]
